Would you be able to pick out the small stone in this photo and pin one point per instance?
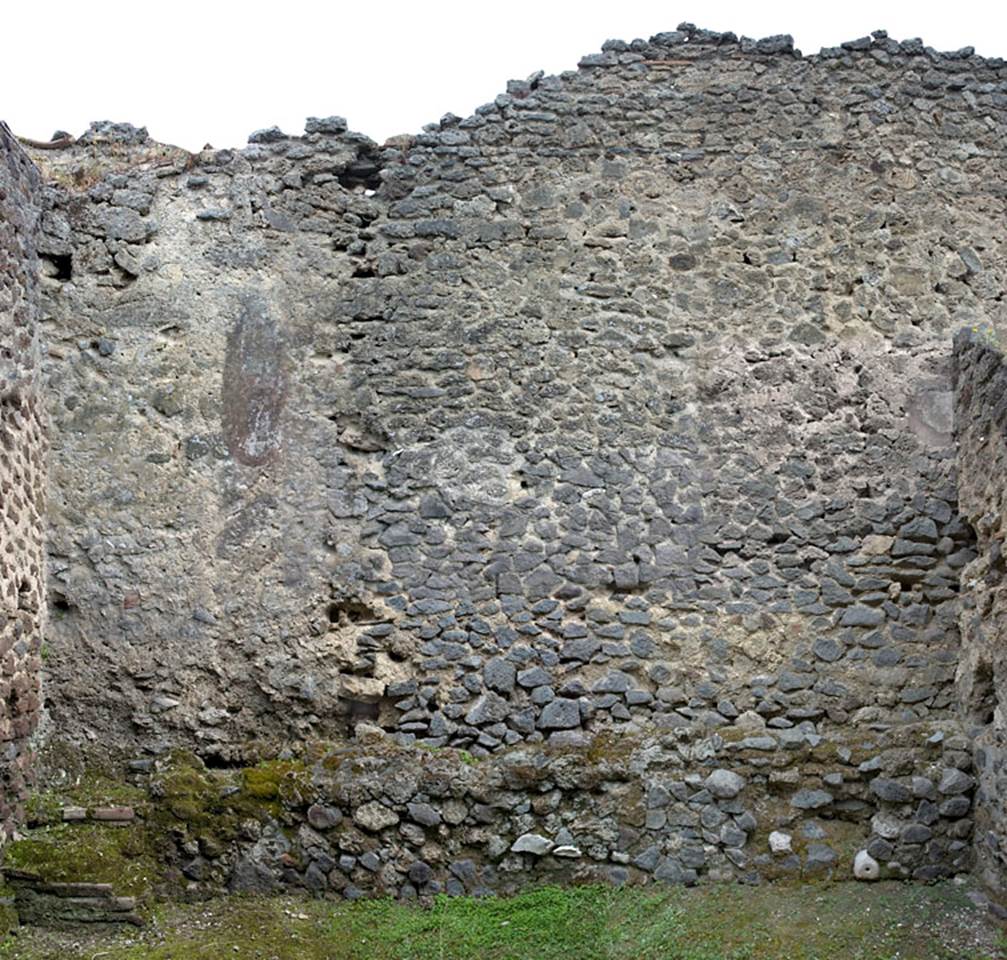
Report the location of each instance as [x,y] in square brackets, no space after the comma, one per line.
[375,816]
[876,544]
[750,722]
[113,814]
[423,814]
[213,213]
[421,873]
[971,260]
[923,787]
[671,871]
[865,867]
[567,850]
[780,843]
[880,849]
[533,677]
[489,708]
[954,781]
[860,616]
[329,125]
[916,833]
[886,826]
[820,856]
[268,135]
[74,813]
[560,714]
[955,807]
[890,791]
[810,799]
[827,649]
[727,709]
[922,530]
[532,843]
[499,675]
[322,817]
[724,784]
[648,860]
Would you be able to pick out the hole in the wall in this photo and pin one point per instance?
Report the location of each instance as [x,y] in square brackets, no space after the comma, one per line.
[357,711]
[345,612]
[25,589]
[364,270]
[220,761]
[363,173]
[982,700]
[362,709]
[59,605]
[62,265]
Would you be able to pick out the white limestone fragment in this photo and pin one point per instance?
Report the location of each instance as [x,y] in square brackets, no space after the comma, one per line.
[779,842]
[532,843]
[567,850]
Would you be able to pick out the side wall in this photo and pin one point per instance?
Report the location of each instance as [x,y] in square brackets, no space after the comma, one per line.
[22,476]
[981,418]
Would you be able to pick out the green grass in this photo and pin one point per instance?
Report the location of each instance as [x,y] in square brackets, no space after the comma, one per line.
[844,921]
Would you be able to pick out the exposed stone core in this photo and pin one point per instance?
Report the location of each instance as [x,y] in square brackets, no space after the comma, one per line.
[621,408]
[22,477]
[981,417]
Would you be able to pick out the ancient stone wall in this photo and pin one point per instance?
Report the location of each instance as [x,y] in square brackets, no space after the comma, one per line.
[22,477]
[981,420]
[621,407]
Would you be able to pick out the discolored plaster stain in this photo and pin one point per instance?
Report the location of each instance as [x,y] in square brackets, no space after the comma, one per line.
[255,384]
[931,416]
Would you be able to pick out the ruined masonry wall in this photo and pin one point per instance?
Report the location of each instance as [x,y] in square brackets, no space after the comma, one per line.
[981,419]
[22,478]
[619,408]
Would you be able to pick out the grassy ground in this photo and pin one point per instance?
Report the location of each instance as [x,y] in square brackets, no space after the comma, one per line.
[885,921]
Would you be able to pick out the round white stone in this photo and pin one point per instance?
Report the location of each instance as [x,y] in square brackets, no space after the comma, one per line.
[865,867]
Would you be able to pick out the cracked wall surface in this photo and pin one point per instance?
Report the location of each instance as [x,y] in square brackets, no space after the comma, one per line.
[621,405]
[22,478]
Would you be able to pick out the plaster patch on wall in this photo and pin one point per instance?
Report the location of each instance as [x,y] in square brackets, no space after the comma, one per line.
[255,384]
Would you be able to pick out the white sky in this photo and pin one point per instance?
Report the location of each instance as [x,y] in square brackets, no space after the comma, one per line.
[213,71]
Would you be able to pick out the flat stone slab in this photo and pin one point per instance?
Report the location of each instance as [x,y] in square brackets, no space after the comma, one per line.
[113,814]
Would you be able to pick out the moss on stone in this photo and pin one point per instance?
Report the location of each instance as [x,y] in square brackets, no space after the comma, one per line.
[43,808]
[126,857]
[611,748]
[8,918]
[288,781]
